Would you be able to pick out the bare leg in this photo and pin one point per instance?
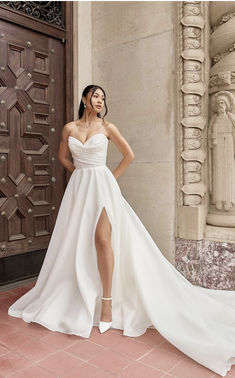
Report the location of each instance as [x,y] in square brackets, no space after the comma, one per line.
[105,262]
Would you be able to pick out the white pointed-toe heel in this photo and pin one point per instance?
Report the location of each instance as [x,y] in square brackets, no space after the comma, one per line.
[104,326]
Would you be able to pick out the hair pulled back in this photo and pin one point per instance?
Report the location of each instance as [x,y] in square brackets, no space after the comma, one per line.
[85,92]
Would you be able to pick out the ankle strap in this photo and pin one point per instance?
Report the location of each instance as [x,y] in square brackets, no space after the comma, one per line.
[106,299]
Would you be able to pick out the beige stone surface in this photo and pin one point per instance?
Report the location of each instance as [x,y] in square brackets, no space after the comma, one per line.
[152,200]
[220,8]
[120,22]
[82,49]
[192,222]
[219,233]
[140,94]
[133,59]
[222,37]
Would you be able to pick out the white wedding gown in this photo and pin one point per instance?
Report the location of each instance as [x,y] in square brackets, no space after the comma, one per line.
[147,290]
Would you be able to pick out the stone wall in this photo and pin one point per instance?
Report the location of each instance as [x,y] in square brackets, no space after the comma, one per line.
[133,59]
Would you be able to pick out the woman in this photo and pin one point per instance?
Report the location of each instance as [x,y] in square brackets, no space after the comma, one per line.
[89,124]
[99,247]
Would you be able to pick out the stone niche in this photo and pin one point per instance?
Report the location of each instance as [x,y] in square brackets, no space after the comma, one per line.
[205,247]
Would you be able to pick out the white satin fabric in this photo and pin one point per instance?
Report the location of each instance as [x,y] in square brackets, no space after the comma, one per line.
[147,290]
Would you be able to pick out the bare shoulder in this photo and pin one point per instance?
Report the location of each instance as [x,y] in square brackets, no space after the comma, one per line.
[68,127]
[112,129]
[118,139]
[115,136]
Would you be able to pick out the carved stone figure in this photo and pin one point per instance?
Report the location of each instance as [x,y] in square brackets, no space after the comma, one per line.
[222,148]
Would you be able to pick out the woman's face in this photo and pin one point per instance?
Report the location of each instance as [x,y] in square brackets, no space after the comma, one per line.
[97,100]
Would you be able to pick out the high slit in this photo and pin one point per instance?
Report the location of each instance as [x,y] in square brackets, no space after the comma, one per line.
[96,223]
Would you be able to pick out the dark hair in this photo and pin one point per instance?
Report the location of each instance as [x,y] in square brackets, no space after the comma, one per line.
[85,92]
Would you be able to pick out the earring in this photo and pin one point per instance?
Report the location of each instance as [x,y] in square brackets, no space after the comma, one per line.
[84,105]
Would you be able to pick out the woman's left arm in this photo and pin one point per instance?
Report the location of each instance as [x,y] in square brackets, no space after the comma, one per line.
[123,146]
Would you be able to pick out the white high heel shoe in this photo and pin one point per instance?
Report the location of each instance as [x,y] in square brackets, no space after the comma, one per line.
[104,326]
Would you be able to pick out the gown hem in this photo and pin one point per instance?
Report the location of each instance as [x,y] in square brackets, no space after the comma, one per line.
[73,332]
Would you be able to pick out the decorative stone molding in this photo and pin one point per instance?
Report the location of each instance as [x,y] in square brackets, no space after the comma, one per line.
[221,130]
[206,228]
[193,116]
[223,53]
[222,20]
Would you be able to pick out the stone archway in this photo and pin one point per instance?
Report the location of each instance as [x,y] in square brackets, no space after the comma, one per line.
[206,233]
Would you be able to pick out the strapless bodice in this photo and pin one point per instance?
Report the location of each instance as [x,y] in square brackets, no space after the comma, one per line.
[92,153]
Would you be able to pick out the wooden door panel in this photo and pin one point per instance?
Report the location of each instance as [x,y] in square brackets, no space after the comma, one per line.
[32,114]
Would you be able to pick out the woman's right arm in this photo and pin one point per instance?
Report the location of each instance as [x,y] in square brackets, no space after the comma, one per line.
[63,153]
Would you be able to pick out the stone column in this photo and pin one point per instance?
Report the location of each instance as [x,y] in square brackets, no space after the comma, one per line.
[193,104]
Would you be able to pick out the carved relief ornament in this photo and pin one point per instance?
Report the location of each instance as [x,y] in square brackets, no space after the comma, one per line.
[193,89]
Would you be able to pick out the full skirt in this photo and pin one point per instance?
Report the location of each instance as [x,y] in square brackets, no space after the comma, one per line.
[147,290]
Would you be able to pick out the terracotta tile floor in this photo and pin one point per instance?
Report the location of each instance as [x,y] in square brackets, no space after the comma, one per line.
[28,350]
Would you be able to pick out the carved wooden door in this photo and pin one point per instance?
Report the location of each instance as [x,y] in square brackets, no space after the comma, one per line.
[32,115]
